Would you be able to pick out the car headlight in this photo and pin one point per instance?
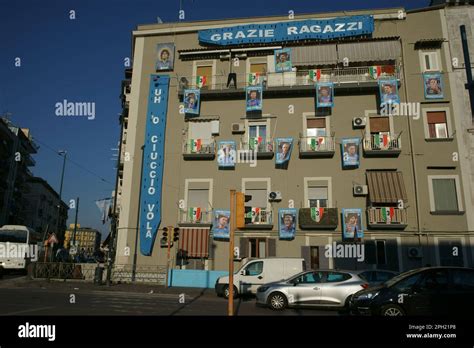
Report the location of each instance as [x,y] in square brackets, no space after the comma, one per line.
[368,295]
[262,289]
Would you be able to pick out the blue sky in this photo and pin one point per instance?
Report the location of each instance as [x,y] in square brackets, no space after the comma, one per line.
[82,60]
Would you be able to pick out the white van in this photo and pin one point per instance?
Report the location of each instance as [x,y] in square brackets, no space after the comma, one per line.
[257,272]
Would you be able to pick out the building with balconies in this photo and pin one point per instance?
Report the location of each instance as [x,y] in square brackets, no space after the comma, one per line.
[405,179]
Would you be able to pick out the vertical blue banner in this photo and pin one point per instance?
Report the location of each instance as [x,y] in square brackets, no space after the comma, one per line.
[153,158]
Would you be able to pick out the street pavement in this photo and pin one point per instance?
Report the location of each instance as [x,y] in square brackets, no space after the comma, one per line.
[21,296]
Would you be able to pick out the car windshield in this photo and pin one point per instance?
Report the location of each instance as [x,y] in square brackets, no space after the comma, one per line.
[399,277]
[13,236]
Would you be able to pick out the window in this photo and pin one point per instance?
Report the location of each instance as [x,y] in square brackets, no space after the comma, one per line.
[463,280]
[201,133]
[435,280]
[198,199]
[375,252]
[437,125]
[407,283]
[309,278]
[314,254]
[255,268]
[316,127]
[258,247]
[317,192]
[260,68]
[383,276]
[334,277]
[445,194]
[206,72]
[258,136]
[430,61]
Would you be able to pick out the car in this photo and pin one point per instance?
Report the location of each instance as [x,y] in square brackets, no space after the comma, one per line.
[257,272]
[376,276]
[316,288]
[423,291]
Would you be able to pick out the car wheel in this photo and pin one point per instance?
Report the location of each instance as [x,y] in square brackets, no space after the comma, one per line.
[277,301]
[226,292]
[392,311]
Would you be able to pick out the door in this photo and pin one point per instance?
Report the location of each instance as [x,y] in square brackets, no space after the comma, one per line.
[306,289]
[333,293]
[206,72]
[251,277]
[428,296]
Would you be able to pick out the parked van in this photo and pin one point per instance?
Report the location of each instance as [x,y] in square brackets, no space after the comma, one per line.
[257,272]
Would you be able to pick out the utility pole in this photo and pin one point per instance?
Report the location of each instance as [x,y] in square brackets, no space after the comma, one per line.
[75,224]
[230,308]
[64,154]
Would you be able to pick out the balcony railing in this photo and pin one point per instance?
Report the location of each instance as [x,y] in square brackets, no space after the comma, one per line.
[199,148]
[259,218]
[387,217]
[194,216]
[382,145]
[318,218]
[263,147]
[345,75]
[322,146]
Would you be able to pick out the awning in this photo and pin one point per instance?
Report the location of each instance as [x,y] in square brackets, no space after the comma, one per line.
[314,55]
[429,43]
[386,186]
[369,51]
[195,241]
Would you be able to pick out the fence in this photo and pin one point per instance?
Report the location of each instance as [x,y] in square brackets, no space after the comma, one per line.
[59,270]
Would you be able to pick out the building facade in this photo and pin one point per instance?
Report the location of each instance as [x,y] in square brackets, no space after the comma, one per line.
[354,159]
[87,239]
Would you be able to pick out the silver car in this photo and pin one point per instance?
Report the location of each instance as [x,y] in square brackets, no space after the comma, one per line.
[321,288]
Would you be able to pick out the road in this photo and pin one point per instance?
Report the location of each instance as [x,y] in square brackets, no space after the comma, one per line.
[58,298]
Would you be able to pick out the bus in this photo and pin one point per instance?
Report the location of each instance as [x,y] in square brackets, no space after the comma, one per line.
[19,245]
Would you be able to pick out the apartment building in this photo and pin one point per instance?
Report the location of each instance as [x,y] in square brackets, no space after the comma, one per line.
[350,117]
[87,239]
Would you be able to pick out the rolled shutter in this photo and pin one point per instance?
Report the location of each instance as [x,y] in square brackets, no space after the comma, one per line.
[306,255]
[244,247]
[323,260]
[391,252]
[370,256]
[271,247]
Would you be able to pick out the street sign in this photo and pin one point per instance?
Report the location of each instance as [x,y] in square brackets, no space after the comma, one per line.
[53,239]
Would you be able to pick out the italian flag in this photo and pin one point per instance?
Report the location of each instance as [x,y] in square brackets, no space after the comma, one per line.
[381,141]
[375,71]
[314,144]
[195,145]
[317,214]
[387,214]
[253,214]
[201,81]
[254,79]
[254,142]
[315,74]
[194,214]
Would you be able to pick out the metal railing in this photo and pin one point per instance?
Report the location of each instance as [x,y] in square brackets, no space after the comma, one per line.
[195,215]
[199,146]
[387,216]
[289,78]
[262,146]
[60,270]
[317,144]
[258,216]
[142,273]
[378,143]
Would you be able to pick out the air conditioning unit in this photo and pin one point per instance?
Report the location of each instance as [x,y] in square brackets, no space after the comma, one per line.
[358,122]
[238,128]
[274,196]
[415,252]
[360,190]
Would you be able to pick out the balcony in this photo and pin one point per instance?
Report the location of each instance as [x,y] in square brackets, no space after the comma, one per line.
[379,146]
[387,218]
[199,149]
[195,217]
[308,219]
[259,219]
[263,147]
[287,82]
[313,147]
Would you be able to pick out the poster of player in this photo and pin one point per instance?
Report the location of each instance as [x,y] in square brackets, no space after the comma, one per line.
[165,57]
[287,223]
[226,153]
[325,95]
[283,60]
[220,226]
[433,86]
[191,101]
[254,95]
[388,90]
[352,223]
[350,152]
[284,147]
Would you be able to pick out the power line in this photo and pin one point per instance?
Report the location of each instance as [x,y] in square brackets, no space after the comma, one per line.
[68,159]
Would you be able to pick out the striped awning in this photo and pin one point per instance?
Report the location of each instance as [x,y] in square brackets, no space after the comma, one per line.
[369,51]
[195,241]
[386,186]
[314,55]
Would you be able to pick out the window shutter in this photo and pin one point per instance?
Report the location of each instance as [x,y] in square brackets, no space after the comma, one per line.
[271,247]
[370,257]
[436,117]
[306,255]
[323,260]
[316,122]
[379,124]
[244,247]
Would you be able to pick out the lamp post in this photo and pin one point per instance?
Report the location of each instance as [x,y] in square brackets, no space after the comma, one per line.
[64,154]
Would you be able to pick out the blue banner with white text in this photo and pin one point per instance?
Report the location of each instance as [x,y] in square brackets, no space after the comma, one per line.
[152,167]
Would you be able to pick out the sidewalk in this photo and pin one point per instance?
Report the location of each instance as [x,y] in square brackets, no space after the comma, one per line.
[24,282]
